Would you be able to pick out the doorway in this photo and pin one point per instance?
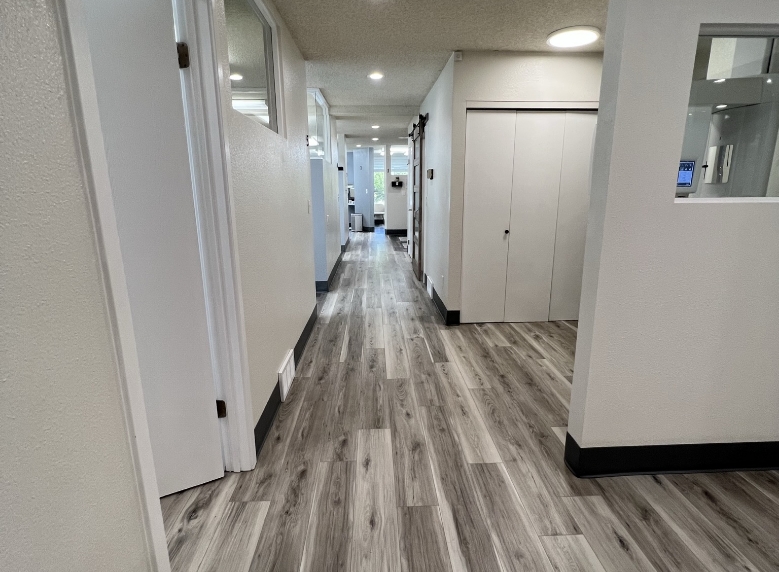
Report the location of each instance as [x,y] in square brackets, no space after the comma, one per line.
[527,183]
[417,145]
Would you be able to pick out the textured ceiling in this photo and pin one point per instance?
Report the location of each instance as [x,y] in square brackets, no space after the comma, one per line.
[411,40]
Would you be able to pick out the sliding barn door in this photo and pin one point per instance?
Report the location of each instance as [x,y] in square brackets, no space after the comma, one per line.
[573,206]
[489,167]
[538,152]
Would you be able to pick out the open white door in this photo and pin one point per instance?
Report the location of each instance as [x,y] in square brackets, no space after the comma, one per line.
[148,165]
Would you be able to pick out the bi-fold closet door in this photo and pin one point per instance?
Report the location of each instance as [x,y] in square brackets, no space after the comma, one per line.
[527,177]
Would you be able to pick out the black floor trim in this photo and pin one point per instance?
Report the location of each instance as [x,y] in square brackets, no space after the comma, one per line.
[657,459]
[303,340]
[451,317]
[368,229]
[263,426]
[325,285]
[395,231]
[269,413]
[345,246]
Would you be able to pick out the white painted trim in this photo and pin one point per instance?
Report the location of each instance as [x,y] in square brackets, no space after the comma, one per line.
[518,105]
[86,118]
[208,163]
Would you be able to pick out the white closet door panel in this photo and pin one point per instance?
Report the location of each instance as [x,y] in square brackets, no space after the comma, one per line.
[537,158]
[489,158]
[572,212]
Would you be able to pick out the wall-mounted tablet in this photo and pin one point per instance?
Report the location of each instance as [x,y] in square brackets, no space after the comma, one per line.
[686,172]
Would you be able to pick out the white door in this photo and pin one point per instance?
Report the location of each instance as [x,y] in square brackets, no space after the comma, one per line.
[574,204]
[538,152]
[489,159]
[149,165]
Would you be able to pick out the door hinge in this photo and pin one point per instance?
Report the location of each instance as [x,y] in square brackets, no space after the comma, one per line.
[183,50]
[221,409]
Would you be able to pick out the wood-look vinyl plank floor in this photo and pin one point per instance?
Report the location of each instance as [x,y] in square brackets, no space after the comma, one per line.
[571,554]
[414,484]
[236,536]
[409,445]
[422,541]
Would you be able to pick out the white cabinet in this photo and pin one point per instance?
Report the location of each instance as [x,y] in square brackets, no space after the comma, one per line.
[527,177]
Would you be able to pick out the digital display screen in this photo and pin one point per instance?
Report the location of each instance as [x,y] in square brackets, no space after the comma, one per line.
[686,172]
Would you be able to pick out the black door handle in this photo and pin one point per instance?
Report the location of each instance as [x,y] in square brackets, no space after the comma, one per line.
[505,232]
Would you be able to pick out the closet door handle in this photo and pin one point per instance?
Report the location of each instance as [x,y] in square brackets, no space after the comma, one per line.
[505,232]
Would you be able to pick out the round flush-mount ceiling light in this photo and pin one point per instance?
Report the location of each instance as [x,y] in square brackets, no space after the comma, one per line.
[375,126]
[375,139]
[574,37]
[376,75]
[236,77]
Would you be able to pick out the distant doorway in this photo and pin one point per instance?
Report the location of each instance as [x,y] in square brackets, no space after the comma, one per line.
[417,138]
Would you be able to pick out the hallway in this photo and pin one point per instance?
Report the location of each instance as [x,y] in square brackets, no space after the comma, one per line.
[409,445]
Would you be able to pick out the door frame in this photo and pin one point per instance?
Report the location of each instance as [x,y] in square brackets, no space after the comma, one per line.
[209,163]
[94,166]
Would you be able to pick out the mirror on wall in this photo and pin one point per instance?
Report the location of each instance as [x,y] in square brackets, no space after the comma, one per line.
[730,142]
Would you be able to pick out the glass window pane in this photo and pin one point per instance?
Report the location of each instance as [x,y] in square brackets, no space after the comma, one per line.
[378,176]
[318,129]
[730,141]
[250,51]
[399,162]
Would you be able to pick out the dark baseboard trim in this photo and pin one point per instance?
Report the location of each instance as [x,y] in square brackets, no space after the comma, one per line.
[345,246]
[325,285]
[451,317]
[263,426]
[395,231]
[368,228]
[303,340]
[269,413]
[657,459]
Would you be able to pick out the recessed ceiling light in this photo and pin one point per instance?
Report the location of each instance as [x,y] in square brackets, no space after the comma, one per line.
[376,75]
[375,139]
[375,126]
[358,145]
[573,37]
[769,80]
[720,80]
[236,77]
[723,106]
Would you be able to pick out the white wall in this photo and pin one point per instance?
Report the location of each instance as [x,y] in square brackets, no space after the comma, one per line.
[437,155]
[325,217]
[680,315]
[527,79]
[396,211]
[68,491]
[142,116]
[363,185]
[395,214]
[270,186]
[484,79]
